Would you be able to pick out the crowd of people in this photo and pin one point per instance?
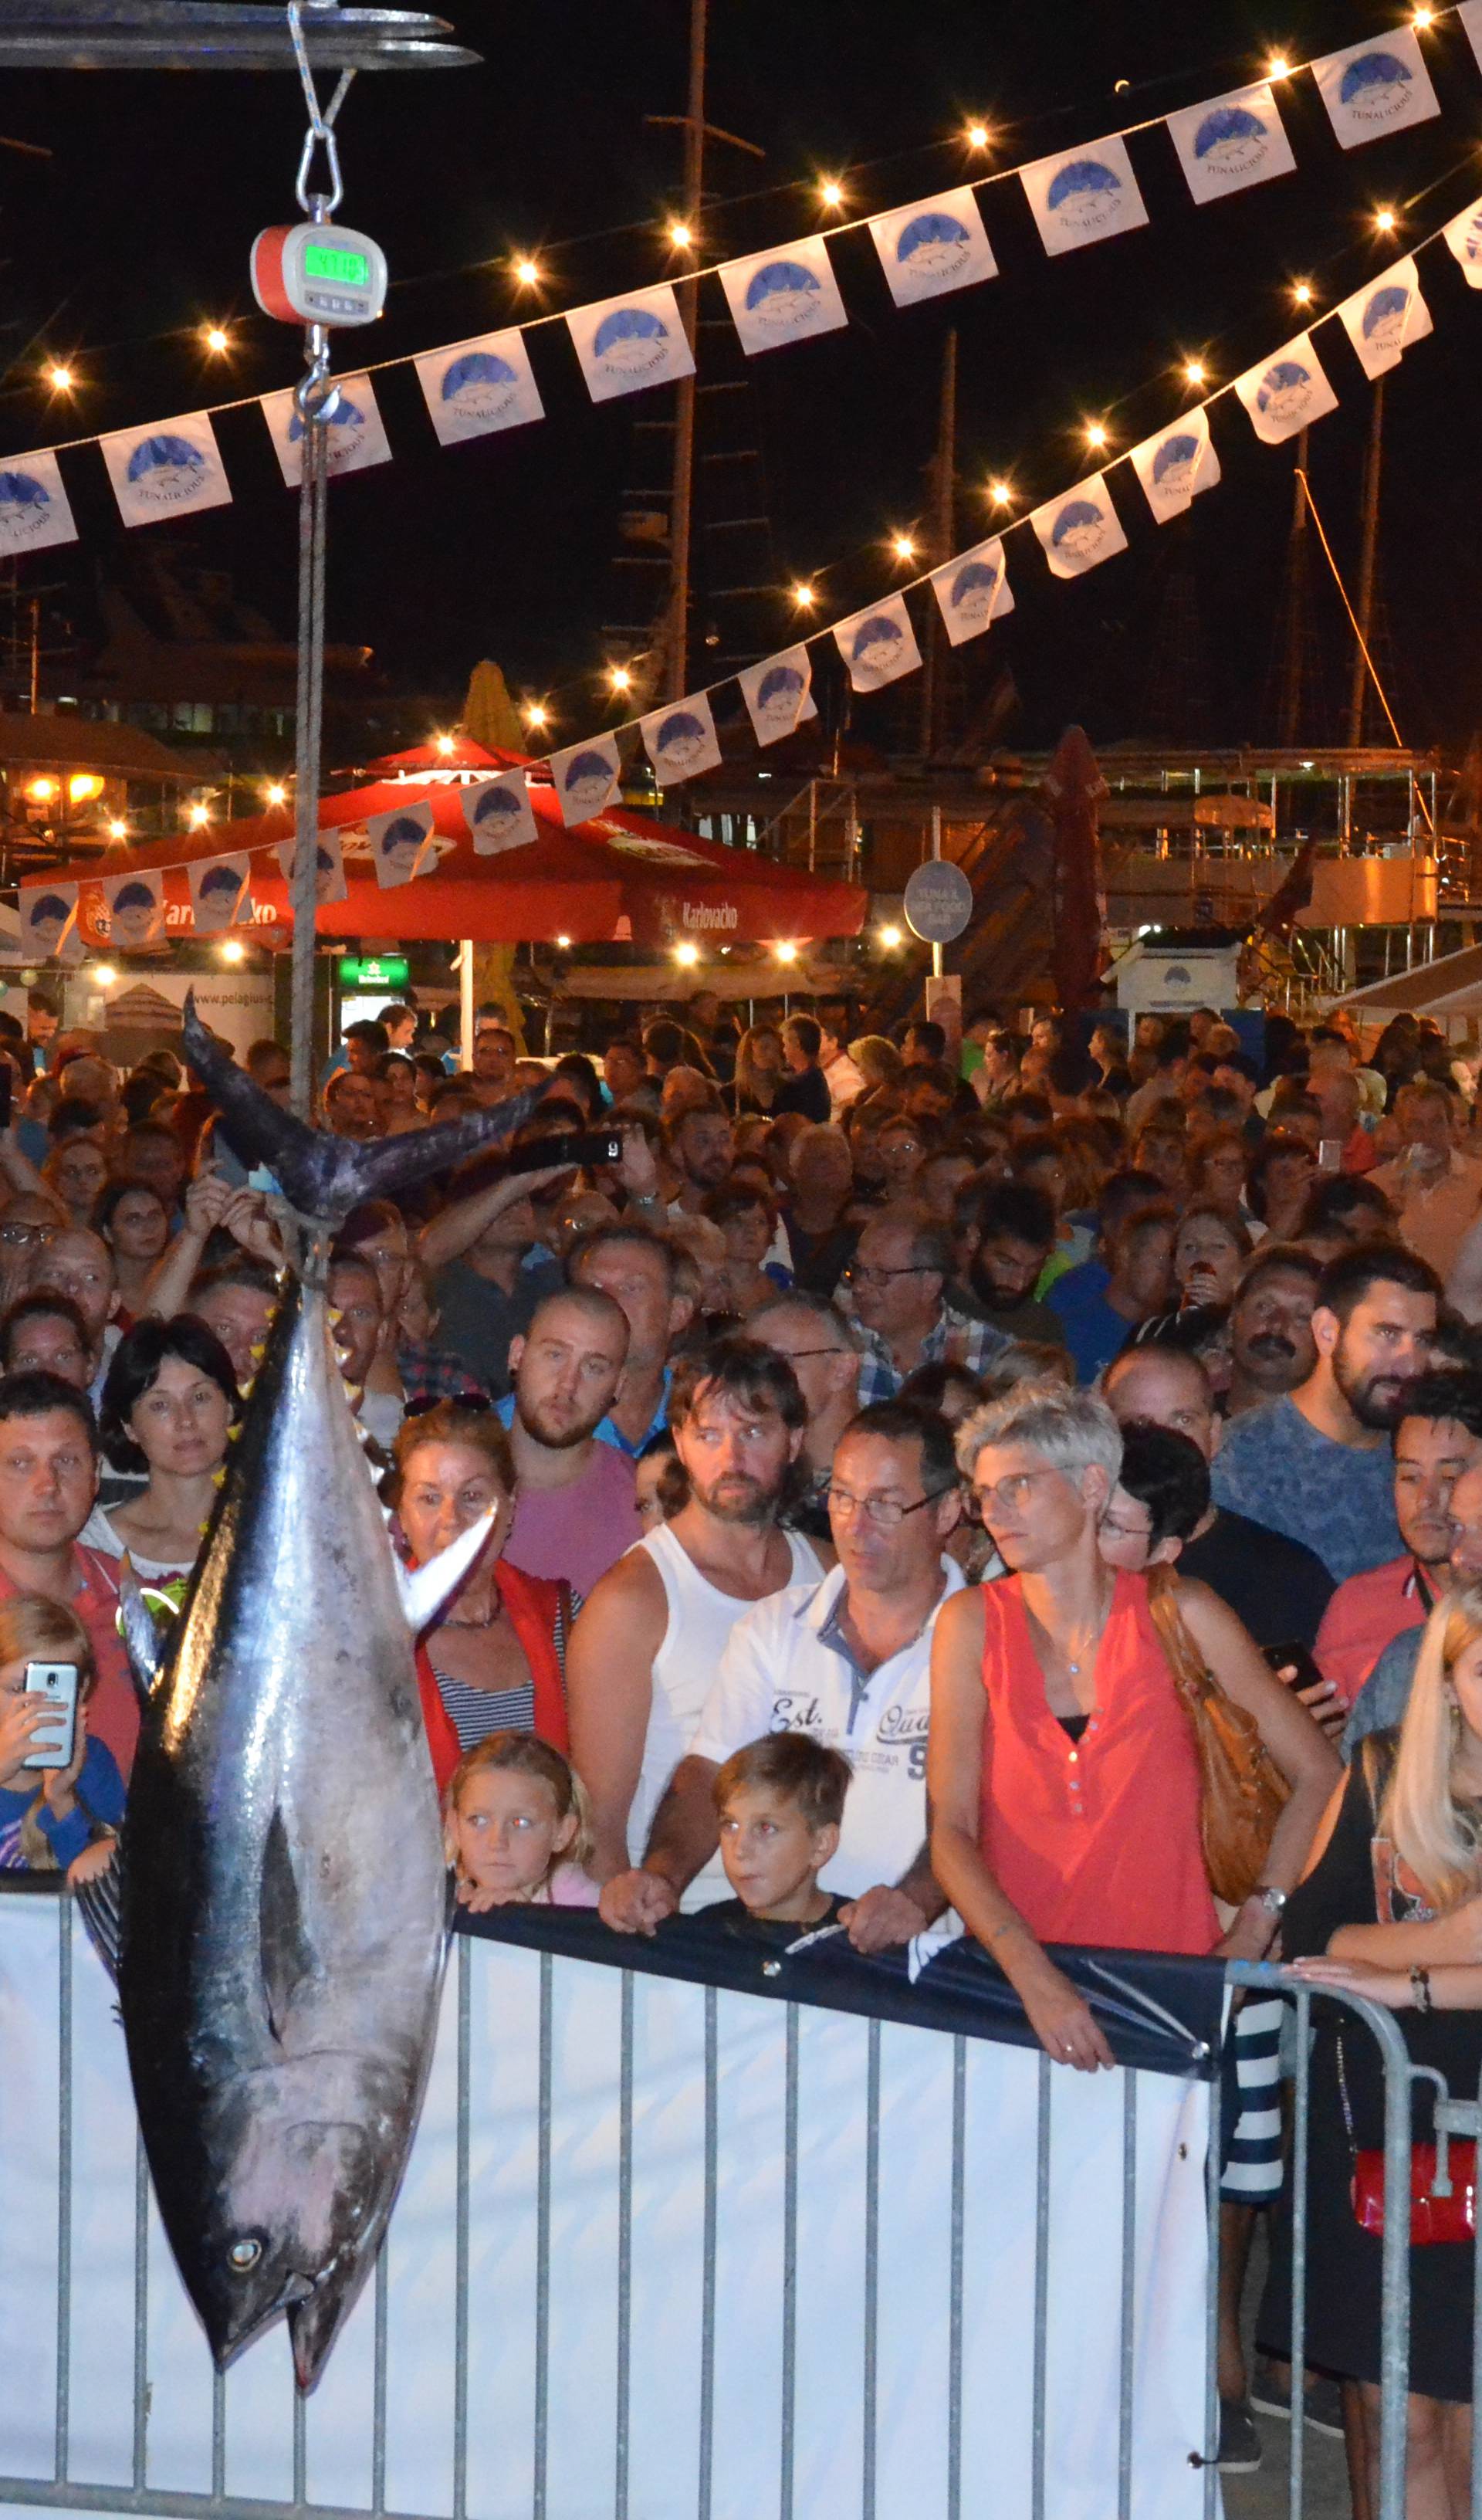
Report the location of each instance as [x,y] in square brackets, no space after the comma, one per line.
[872,1452]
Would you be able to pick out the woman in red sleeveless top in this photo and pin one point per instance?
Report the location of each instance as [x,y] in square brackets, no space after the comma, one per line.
[1061,1769]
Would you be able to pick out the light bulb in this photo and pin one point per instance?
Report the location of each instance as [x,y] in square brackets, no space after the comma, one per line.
[903,545]
[233,950]
[105,974]
[831,194]
[1196,371]
[977,135]
[1302,292]
[446,746]
[198,817]
[217,339]
[679,234]
[1384,221]
[687,955]
[786,952]
[60,379]
[619,678]
[1278,67]
[536,714]
[804,596]
[1095,433]
[563,944]
[1001,493]
[276,793]
[890,938]
[118,829]
[1423,19]
[526,272]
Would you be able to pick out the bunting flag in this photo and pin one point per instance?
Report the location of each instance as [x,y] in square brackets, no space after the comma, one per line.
[1287,393]
[476,387]
[1469,13]
[931,246]
[329,882]
[972,591]
[778,694]
[783,296]
[1080,530]
[499,814]
[1234,141]
[1463,234]
[1383,319]
[35,508]
[1177,464]
[1082,195]
[48,918]
[879,645]
[135,906]
[1376,87]
[221,894]
[681,741]
[586,777]
[401,844]
[356,436]
[628,343]
[170,468]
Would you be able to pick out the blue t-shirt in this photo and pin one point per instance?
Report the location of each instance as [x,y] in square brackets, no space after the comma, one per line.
[607,1432]
[1380,1704]
[1094,1333]
[97,1796]
[1337,1500]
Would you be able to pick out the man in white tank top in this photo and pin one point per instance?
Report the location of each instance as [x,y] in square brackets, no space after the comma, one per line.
[648,1643]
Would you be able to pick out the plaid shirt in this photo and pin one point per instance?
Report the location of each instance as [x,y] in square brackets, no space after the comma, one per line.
[952,1334]
[430,1373]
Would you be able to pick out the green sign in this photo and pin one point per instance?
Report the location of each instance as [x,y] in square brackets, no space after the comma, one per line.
[331,263]
[374,972]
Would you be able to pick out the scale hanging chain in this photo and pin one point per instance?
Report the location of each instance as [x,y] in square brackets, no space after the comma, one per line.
[315,397]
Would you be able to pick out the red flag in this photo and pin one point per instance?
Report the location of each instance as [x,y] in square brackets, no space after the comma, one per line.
[1293,894]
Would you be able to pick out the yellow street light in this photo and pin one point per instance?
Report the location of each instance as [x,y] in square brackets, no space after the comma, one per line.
[787,952]
[536,714]
[118,829]
[1095,433]
[43,790]
[276,794]
[198,817]
[233,950]
[1384,221]
[687,955]
[563,944]
[1278,67]
[105,974]
[891,938]
[1301,290]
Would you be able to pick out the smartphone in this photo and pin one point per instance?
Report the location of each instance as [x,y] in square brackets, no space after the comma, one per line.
[1294,1653]
[57,1683]
[1330,1155]
[582,1147]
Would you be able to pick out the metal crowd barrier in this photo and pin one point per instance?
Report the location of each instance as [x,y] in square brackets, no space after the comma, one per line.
[620,2215]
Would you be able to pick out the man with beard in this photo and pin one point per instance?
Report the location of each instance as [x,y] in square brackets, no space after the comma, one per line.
[1436,1442]
[575,1510]
[848,1664]
[1003,1233]
[1270,1343]
[1386,1694]
[1317,1464]
[648,1643]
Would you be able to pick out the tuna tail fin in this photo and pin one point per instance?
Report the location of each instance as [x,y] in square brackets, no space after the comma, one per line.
[425,1589]
[324,1177]
[141,1637]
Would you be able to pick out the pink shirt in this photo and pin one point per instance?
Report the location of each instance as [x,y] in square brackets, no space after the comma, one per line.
[113,1714]
[577,1531]
[1361,1618]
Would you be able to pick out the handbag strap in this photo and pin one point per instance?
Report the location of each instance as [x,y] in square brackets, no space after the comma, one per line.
[1191,1673]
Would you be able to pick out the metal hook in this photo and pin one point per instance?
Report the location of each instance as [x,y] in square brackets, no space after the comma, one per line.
[321,130]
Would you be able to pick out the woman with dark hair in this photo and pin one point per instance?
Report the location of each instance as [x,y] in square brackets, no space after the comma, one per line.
[1280,1176]
[168,1406]
[759,1073]
[578,1073]
[135,1224]
[396,1082]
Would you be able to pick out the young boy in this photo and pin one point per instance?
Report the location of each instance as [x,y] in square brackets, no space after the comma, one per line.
[780,1803]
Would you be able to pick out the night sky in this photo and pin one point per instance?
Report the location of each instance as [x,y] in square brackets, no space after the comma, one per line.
[139,229]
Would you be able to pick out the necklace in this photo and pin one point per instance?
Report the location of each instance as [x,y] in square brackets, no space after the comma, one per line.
[489,1621]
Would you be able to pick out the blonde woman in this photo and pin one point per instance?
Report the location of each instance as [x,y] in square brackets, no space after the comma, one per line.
[760,1068]
[877,1059]
[1391,1909]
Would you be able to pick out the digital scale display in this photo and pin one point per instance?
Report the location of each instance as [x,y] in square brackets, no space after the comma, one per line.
[334,262]
[319,273]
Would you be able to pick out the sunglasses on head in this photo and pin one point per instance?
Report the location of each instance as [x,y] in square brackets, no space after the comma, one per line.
[477,1404]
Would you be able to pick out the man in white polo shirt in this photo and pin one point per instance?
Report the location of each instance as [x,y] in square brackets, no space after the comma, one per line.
[847,1661]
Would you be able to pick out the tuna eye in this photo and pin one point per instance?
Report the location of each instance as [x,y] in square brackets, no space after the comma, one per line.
[242,2256]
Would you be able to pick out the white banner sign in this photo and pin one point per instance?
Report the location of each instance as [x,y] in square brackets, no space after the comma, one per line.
[878,646]
[48,918]
[931,246]
[476,387]
[329,881]
[625,343]
[680,741]
[1385,318]
[590,2204]
[778,694]
[171,468]
[1287,394]
[499,814]
[972,591]
[1177,464]
[401,844]
[1375,87]
[1469,14]
[586,777]
[1079,530]
[221,894]
[783,296]
[1084,196]
[1231,142]
[34,509]
[356,437]
[1463,234]
[135,910]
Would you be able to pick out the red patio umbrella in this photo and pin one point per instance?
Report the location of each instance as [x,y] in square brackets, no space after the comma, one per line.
[620,875]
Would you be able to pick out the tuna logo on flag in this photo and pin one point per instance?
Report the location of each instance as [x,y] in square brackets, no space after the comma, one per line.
[329,867]
[34,505]
[1463,234]
[1084,196]
[934,246]
[354,436]
[680,741]
[499,814]
[1287,395]
[479,386]
[165,470]
[1231,142]
[1176,465]
[628,343]
[586,777]
[1080,530]
[878,647]
[776,694]
[401,844]
[220,895]
[972,591]
[1371,88]
[783,297]
[1384,318]
[135,910]
[48,918]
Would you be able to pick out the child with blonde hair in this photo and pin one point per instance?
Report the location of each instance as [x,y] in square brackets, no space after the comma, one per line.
[60,1819]
[518,1828]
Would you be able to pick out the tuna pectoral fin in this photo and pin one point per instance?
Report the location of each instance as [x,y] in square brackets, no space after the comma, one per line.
[285,1957]
[425,1589]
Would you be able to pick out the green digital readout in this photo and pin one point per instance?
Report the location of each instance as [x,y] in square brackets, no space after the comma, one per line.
[329,262]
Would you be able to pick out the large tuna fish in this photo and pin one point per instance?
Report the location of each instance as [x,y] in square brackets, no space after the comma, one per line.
[282,1891]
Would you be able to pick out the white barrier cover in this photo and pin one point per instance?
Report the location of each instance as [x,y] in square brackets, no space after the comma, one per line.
[915,2203]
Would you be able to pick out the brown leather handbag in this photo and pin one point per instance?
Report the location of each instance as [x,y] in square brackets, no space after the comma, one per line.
[1242,1790]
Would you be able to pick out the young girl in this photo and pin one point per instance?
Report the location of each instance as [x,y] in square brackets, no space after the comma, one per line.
[516,1827]
[51,1818]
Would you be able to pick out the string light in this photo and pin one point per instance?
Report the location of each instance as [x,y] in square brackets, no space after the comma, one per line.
[679,234]
[903,545]
[446,746]
[804,596]
[198,817]
[118,829]
[891,938]
[832,194]
[1095,433]
[233,950]
[1384,221]
[1196,372]
[1301,290]
[619,678]
[563,944]
[275,792]
[527,272]
[1001,493]
[60,379]
[1278,67]
[786,952]
[536,714]
[217,339]
[1423,19]
[687,955]
[105,974]
[977,135]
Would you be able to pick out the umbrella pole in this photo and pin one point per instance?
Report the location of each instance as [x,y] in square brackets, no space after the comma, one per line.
[466,1003]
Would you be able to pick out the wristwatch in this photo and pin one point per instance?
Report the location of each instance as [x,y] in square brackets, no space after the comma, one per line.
[1268,1897]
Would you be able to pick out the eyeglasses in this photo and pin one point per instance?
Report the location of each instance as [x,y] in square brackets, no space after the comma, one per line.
[1005,1494]
[797,1355]
[22,1234]
[867,1276]
[1126,1530]
[886,1512]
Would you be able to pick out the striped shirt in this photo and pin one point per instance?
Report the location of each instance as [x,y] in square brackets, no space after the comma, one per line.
[475,1713]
